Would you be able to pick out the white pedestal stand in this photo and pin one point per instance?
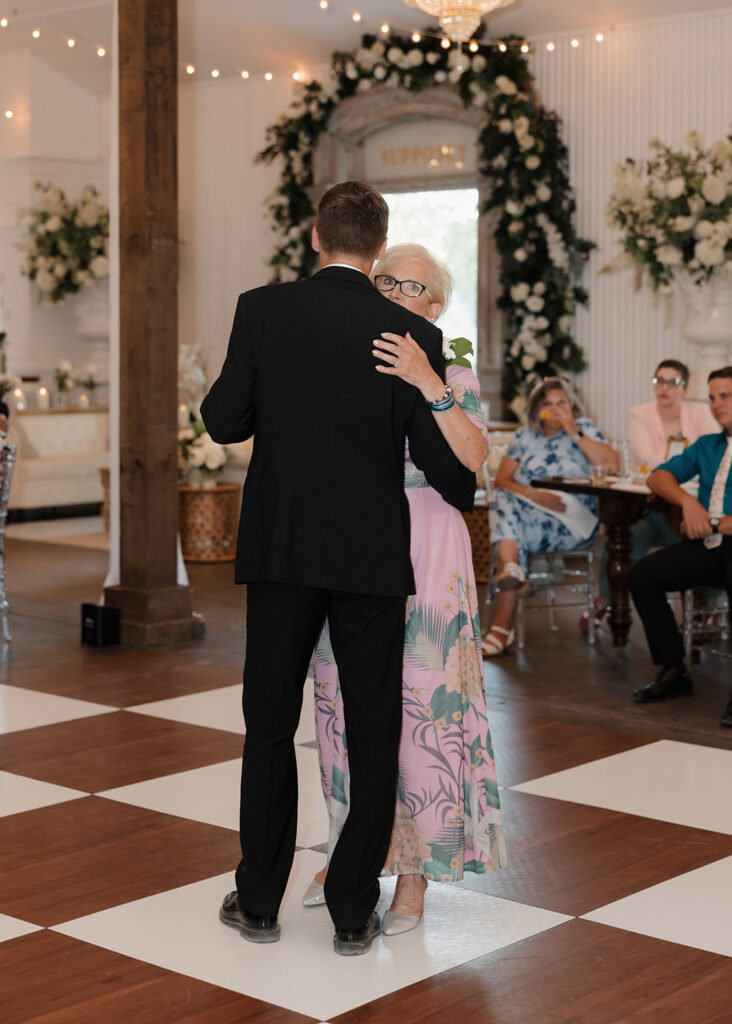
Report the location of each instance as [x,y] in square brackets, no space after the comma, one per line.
[708,324]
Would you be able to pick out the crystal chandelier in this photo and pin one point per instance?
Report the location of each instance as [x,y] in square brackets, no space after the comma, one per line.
[458,18]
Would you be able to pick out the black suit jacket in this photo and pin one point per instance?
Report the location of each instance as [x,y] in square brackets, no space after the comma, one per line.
[324,501]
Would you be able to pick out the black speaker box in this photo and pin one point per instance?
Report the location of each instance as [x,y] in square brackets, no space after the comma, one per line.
[99,625]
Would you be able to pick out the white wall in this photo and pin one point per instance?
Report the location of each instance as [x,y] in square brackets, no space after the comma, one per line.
[58,134]
[223,196]
[658,78]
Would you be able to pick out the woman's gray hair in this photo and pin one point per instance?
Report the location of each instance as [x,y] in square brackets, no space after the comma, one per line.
[538,395]
[439,278]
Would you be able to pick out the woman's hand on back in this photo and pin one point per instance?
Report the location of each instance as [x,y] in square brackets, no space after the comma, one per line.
[404,358]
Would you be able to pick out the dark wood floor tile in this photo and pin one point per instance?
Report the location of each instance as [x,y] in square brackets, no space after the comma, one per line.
[572,858]
[577,973]
[72,859]
[122,677]
[527,747]
[115,749]
[52,979]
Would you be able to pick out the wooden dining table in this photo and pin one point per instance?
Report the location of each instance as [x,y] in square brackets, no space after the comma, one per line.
[619,505]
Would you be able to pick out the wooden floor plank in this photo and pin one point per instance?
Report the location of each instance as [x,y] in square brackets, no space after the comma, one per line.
[62,862]
[572,858]
[52,979]
[577,973]
[116,749]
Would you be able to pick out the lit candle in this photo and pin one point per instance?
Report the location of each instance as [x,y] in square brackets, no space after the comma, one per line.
[19,396]
[83,400]
[43,398]
[183,420]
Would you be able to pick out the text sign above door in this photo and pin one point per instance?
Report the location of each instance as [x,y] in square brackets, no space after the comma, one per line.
[419,149]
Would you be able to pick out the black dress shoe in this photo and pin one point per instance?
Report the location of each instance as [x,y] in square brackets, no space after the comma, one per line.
[354,941]
[671,681]
[254,927]
[726,718]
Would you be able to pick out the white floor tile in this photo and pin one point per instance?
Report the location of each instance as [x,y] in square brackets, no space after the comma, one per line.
[694,909]
[27,709]
[18,794]
[180,931]
[12,928]
[211,794]
[221,709]
[677,782]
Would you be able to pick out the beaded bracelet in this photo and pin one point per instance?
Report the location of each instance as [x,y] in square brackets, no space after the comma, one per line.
[446,402]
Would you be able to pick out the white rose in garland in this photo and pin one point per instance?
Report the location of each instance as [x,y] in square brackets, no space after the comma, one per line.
[522,156]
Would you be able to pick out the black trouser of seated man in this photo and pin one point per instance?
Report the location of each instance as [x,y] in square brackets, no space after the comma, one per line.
[680,567]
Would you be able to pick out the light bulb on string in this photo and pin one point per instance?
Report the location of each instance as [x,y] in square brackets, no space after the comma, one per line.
[324,5]
[101,52]
[3,22]
[215,73]
[296,76]
[385,29]
[525,47]
[245,75]
[36,33]
[599,37]
[445,43]
[268,76]
[502,47]
[550,47]
[9,114]
[190,69]
[575,43]
[356,16]
[473,47]
[71,43]
[416,37]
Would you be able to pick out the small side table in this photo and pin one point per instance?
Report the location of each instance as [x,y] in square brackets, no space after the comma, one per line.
[208,522]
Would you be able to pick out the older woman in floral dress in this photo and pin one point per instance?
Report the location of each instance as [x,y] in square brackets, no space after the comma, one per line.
[447,816]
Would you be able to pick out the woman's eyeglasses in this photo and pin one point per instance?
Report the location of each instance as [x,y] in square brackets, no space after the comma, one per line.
[668,382]
[412,289]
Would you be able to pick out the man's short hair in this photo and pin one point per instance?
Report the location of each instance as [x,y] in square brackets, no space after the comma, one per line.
[353,219]
[725,372]
[675,364]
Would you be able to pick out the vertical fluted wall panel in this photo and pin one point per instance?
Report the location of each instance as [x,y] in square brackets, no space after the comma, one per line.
[657,78]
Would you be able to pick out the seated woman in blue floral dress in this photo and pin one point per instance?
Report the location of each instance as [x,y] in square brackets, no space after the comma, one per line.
[556,442]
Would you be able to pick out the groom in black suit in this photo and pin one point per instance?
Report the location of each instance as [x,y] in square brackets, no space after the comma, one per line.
[324,533]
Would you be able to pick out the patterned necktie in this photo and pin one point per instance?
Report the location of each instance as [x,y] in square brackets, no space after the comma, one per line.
[716,499]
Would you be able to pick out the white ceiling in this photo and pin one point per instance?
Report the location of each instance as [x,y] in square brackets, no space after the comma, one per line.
[282,35]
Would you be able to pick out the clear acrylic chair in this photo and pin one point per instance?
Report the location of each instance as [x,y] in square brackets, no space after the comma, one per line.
[704,620]
[7,463]
[549,570]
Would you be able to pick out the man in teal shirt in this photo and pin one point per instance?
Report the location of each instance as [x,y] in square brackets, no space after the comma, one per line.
[705,558]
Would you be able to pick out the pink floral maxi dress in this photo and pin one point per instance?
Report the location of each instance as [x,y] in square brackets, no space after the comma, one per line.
[448,816]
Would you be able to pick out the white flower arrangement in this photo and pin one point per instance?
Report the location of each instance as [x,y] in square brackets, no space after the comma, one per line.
[675,212]
[522,157]
[198,452]
[8,382]
[64,377]
[67,244]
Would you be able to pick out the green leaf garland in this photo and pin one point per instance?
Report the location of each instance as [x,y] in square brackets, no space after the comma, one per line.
[521,154]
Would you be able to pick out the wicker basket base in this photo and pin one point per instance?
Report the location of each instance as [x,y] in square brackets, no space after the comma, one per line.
[208,522]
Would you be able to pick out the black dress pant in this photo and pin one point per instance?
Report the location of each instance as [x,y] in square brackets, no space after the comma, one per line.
[679,567]
[367,635]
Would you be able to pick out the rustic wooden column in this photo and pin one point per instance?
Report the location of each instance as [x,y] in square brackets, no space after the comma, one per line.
[154,609]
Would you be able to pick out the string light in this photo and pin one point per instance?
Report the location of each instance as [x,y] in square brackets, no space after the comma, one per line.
[71,43]
[416,37]
[524,47]
[356,16]
[473,47]
[599,37]
[101,52]
[324,5]
[9,114]
[385,29]
[269,76]
[3,22]
[502,47]
[215,73]
[575,43]
[296,76]
[550,47]
[36,33]
[190,69]
[245,75]
[445,43]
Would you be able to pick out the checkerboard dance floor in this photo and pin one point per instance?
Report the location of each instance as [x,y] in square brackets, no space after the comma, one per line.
[118,796]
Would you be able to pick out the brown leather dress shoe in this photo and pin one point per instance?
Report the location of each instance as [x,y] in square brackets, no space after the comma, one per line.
[253,927]
[671,681]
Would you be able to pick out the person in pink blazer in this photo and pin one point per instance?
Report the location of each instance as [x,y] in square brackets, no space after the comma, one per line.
[653,426]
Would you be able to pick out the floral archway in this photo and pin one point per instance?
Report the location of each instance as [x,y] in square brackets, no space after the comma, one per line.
[522,158]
